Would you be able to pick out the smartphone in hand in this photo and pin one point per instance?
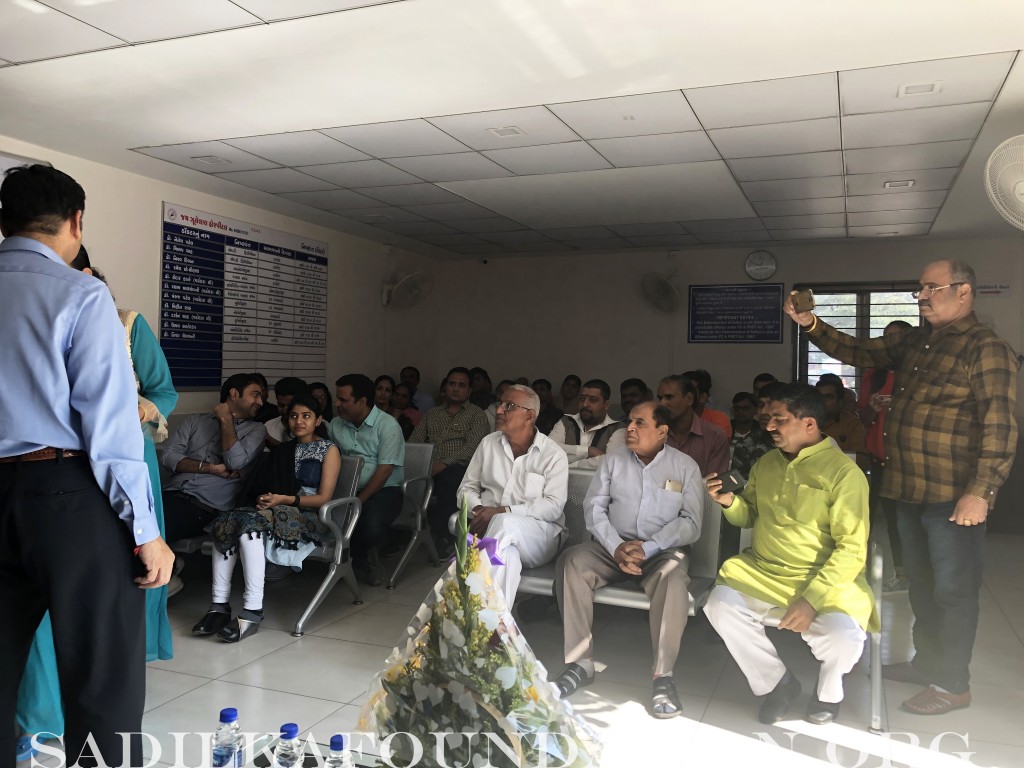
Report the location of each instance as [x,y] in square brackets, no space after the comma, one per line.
[732,481]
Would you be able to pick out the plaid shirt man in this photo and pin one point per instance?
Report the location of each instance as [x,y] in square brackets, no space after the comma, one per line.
[951,428]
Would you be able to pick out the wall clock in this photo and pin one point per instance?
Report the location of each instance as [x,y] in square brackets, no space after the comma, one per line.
[760,265]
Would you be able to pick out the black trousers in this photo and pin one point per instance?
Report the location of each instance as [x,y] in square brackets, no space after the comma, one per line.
[183,519]
[63,549]
[446,488]
[379,512]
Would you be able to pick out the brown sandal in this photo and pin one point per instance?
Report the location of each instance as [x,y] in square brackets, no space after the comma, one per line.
[932,701]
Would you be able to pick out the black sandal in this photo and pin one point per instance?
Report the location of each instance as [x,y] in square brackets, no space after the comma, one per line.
[571,679]
[665,701]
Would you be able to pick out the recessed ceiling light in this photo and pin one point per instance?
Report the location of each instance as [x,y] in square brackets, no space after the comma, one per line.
[378,216]
[886,234]
[920,89]
[211,160]
[903,184]
[506,132]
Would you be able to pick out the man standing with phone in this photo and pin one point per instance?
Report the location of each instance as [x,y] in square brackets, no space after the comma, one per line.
[950,439]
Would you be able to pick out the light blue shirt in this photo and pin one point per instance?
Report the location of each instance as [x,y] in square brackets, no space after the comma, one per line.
[378,440]
[66,377]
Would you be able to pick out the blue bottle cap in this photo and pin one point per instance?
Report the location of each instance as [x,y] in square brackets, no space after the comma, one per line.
[339,742]
[229,715]
[289,731]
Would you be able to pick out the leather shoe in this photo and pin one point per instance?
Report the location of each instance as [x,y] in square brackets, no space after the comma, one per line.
[777,703]
[238,629]
[905,672]
[932,701]
[211,623]
[822,712]
[571,679]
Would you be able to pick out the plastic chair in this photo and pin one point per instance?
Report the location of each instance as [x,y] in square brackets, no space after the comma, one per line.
[416,492]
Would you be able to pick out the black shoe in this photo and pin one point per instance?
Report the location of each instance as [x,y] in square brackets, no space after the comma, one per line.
[369,571]
[777,703]
[665,701]
[822,712]
[212,623]
[275,572]
[238,629]
[571,679]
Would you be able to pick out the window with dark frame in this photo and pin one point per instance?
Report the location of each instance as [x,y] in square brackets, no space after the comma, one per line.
[859,309]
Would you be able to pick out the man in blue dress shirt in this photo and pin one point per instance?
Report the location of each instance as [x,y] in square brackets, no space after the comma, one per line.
[78,535]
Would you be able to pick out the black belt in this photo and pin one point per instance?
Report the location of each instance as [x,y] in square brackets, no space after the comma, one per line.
[43,454]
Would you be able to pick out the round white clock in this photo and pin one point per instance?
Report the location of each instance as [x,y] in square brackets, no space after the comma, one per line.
[760,265]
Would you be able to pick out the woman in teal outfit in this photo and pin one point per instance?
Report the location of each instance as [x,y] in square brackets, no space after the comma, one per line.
[39,703]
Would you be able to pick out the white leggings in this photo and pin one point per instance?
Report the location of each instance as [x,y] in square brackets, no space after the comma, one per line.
[254,563]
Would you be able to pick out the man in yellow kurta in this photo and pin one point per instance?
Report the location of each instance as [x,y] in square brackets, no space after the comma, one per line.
[808,505]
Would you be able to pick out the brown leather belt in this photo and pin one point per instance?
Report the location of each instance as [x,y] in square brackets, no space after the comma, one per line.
[43,454]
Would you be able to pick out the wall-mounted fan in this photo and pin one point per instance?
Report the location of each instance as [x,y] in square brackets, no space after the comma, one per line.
[661,292]
[1004,180]
[406,291]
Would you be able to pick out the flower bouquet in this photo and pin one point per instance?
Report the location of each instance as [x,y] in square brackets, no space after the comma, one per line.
[464,688]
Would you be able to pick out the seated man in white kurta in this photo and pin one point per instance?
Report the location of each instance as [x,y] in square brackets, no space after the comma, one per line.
[515,487]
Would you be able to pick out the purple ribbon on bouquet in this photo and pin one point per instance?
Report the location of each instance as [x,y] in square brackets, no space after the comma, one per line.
[487,545]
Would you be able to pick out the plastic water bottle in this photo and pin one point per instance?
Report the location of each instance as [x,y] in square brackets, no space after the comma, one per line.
[340,757]
[288,752]
[227,741]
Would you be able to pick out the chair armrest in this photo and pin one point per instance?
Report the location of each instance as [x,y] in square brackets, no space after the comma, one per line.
[341,534]
[875,566]
[428,489]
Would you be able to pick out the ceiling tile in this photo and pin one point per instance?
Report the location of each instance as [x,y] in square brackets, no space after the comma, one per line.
[874,183]
[539,247]
[550,158]
[409,194]
[788,166]
[663,149]
[651,240]
[890,230]
[903,201]
[454,167]
[752,236]
[275,10]
[639,115]
[599,244]
[959,81]
[493,224]
[521,236]
[615,196]
[806,222]
[808,234]
[800,207]
[578,233]
[650,229]
[778,139]
[417,228]
[361,173]
[794,189]
[914,126]
[332,199]
[766,101]
[379,216]
[722,225]
[537,124]
[452,239]
[402,138]
[943,154]
[30,31]
[187,154]
[481,249]
[460,210]
[300,148]
[143,20]
[917,216]
[277,180]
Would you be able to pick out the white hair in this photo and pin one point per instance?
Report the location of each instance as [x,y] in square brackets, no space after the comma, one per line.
[532,401]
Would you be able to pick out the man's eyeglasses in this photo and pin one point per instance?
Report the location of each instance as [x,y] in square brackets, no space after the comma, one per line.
[928,290]
[508,405]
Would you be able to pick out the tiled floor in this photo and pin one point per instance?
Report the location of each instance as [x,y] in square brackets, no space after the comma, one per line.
[319,681]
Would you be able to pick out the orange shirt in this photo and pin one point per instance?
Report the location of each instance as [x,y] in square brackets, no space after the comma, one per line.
[719,419]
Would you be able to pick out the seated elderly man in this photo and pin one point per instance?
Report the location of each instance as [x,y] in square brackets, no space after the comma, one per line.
[808,506]
[643,506]
[515,487]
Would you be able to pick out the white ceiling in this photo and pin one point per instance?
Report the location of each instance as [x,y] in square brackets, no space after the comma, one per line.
[516,126]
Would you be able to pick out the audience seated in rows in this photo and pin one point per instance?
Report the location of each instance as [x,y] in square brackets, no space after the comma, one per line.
[515,488]
[588,435]
[267,409]
[760,380]
[549,412]
[700,406]
[643,507]
[568,398]
[808,506]
[480,387]
[749,441]
[402,409]
[632,392]
[839,424]
[492,410]
[324,400]
[284,391]
[410,376]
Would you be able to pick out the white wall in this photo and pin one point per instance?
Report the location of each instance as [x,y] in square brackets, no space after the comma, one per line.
[123,234]
[547,317]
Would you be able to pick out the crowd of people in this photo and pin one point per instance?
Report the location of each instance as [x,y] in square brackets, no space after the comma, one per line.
[85,517]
